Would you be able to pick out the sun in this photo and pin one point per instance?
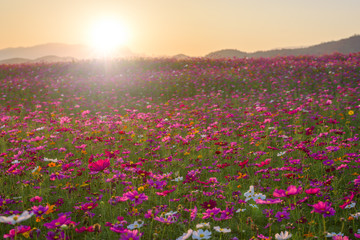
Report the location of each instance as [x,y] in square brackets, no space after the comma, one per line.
[107,35]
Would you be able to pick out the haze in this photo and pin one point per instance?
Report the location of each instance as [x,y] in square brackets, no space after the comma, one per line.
[192,27]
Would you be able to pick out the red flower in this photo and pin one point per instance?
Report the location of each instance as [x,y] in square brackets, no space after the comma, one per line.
[99,165]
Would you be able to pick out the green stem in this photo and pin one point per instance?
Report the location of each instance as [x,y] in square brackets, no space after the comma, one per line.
[324,226]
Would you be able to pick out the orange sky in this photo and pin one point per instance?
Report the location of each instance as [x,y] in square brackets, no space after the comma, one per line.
[192,27]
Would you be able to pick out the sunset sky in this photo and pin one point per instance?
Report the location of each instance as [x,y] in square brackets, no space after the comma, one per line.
[169,27]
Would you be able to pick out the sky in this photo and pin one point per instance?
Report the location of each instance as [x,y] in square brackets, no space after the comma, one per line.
[191,27]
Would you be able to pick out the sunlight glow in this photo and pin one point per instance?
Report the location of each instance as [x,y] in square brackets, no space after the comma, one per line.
[107,35]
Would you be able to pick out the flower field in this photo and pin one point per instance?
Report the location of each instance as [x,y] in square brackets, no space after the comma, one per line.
[191,149]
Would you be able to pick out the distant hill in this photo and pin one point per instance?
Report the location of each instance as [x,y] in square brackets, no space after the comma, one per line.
[76,51]
[345,46]
[45,59]
[181,57]
[227,53]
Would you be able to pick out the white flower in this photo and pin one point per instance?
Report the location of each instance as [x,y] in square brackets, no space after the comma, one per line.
[351,205]
[185,235]
[178,179]
[358,232]
[136,224]
[15,162]
[259,195]
[240,210]
[223,230]
[50,160]
[253,205]
[13,219]
[201,234]
[281,153]
[201,225]
[35,169]
[333,234]
[283,236]
[249,194]
[356,215]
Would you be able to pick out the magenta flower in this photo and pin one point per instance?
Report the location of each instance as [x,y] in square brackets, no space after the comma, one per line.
[312,191]
[357,181]
[55,236]
[282,215]
[324,208]
[211,213]
[136,197]
[339,237]
[63,220]
[99,165]
[151,213]
[347,201]
[39,210]
[131,235]
[293,190]
[16,231]
[36,198]
[279,193]
[227,213]
[268,201]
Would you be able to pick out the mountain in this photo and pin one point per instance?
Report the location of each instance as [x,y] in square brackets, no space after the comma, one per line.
[181,57]
[45,59]
[345,46]
[61,50]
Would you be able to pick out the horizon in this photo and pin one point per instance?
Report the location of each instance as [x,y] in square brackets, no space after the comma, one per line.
[192,28]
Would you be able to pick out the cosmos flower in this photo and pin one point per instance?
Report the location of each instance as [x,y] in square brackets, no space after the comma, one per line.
[201,234]
[201,225]
[211,213]
[99,165]
[209,205]
[268,201]
[323,208]
[223,230]
[312,191]
[40,210]
[282,215]
[185,235]
[135,197]
[136,224]
[14,219]
[283,235]
[57,223]
[16,231]
[131,235]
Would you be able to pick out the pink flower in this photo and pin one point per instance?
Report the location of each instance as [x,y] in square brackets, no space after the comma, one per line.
[136,197]
[312,191]
[339,237]
[324,208]
[279,193]
[16,231]
[268,201]
[164,193]
[293,190]
[131,234]
[36,198]
[99,165]
[347,201]
[211,213]
[63,220]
